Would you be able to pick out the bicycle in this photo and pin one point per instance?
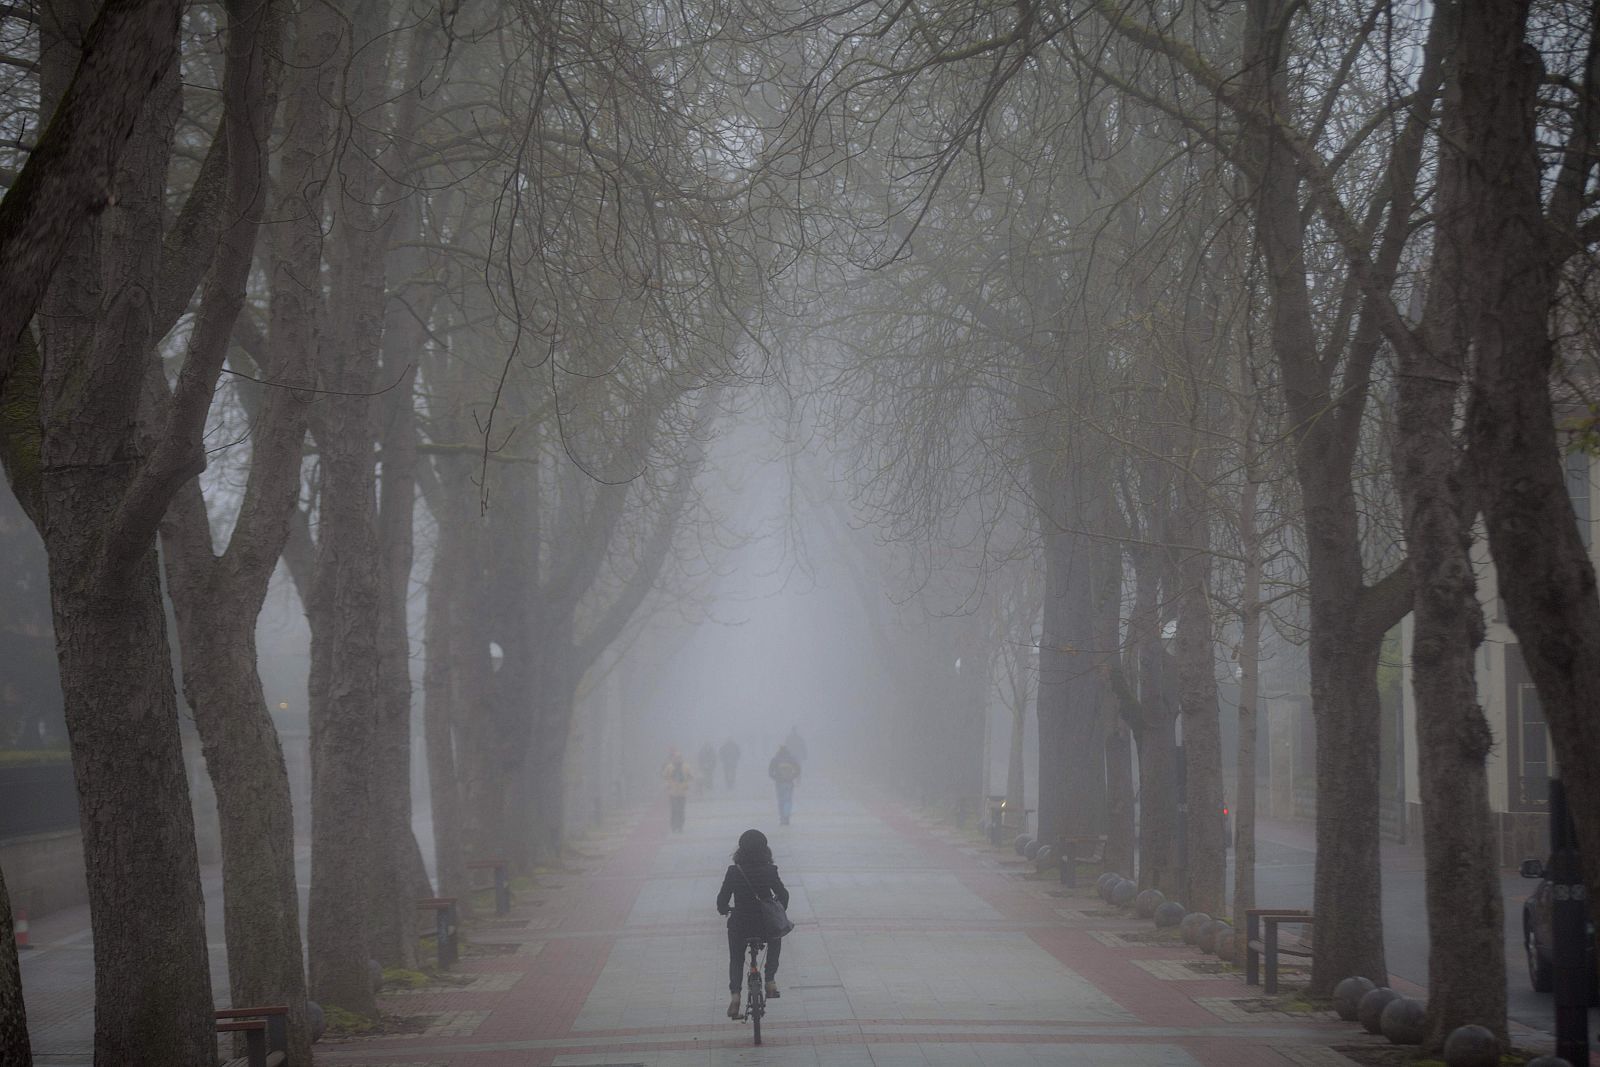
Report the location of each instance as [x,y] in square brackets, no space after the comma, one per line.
[756,1001]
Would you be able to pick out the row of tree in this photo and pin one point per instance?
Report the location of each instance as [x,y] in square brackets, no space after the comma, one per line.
[1198,315]
[276,274]
[1215,315]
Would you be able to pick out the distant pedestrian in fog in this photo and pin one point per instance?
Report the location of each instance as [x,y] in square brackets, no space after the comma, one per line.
[730,760]
[785,771]
[679,777]
[795,744]
[708,768]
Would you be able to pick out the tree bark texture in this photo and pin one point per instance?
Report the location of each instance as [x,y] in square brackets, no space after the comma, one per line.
[1546,576]
[1207,853]
[152,975]
[84,474]
[70,174]
[344,692]
[244,759]
[1244,801]
[217,599]
[439,695]
[14,1045]
[1466,954]
[1072,793]
[1348,618]
[395,931]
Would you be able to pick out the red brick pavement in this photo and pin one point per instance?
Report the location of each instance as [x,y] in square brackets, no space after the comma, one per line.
[571,934]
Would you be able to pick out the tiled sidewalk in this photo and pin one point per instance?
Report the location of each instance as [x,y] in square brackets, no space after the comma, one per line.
[914,946]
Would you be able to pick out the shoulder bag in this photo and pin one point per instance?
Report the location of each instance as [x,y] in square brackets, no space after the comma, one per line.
[774,920]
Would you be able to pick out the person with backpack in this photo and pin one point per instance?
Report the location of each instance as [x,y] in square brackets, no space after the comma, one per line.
[751,878]
[679,777]
[785,771]
[730,760]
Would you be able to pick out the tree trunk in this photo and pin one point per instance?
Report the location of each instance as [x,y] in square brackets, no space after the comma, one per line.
[439,690]
[261,906]
[83,484]
[1158,807]
[14,1046]
[1119,796]
[1547,578]
[152,974]
[1207,852]
[125,54]
[344,687]
[1348,896]
[1348,618]
[1244,800]
[1072,794]
[393,914]
[1466,949]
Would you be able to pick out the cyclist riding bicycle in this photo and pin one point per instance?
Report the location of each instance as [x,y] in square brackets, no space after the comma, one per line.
[750,878]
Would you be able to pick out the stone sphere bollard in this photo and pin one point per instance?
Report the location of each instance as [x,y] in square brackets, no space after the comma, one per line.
[1104,884]
[1226,946]
[1021,843]
[1471,1046]
[1347,997]
[1370,1011]
[1549,1061]
[316,1021]
[1123,892]
[1148,901]
[1191,924]
[1206,939]
[1030,850]
[1404,1021]
[1169,913]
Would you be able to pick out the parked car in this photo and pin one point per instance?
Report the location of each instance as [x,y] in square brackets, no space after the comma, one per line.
[1536,934]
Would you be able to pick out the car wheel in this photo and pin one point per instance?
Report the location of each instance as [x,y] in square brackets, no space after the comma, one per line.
[1538,967]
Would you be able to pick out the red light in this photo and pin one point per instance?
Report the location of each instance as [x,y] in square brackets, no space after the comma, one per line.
[1224,809]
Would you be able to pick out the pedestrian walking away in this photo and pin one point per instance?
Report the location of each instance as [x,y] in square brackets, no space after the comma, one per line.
[730,760]
[750,878]
[679,777]
[785,771]
[795,744]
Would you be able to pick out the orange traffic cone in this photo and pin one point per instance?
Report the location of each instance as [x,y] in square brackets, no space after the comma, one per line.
[20,926]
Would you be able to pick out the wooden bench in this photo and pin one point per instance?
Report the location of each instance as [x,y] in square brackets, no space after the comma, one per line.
[502,882]
[445,925]
[1085,848]
[266,1035]
[1262,939]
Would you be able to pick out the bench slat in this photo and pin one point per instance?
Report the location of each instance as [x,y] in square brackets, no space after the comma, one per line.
[252,1013]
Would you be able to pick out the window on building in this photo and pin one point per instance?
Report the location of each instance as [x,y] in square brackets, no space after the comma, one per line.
[1535,747]
[1528,758]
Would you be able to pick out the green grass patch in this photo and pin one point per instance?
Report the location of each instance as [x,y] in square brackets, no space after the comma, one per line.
[400,978]
[342,1023]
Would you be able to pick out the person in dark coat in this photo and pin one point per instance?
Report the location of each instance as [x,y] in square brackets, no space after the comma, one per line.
[751,877]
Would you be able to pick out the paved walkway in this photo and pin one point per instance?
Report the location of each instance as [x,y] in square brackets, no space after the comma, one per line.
[915,945]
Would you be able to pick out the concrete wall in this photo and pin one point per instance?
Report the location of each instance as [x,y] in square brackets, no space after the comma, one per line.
[44,872]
